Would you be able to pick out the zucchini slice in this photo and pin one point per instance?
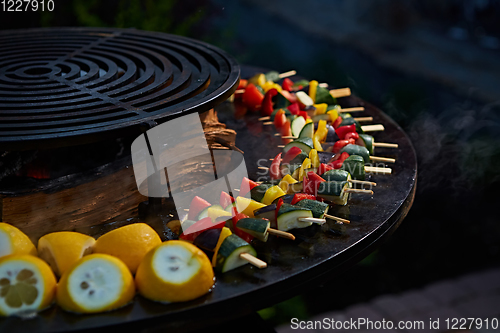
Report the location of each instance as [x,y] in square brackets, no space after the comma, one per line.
[368,142]
[318,208]
[305,144]
[334,191]
[255,227]
[337,175]
[307,131]
[297,125]
[357,150]
[228,256]
[355,165]
[299,158]
[288,217]
[258,192]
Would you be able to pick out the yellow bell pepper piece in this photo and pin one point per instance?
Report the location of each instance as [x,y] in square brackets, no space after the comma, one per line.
[268,85]
[320,108]
[334,114]
[285,183]
[305,165]
[223,235]
[309,120]
[313,87]
[258,79]
[317,144]
[271,194]
[247,206]
[313,156]
[321,132]
[214,213]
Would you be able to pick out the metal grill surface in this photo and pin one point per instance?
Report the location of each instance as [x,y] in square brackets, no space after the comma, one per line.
[61,87]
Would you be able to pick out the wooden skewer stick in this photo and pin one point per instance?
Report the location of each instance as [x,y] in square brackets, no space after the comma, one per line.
[271,159]
[363,182]
[268,123]
[356,190]
[253,260]
[287,74]
[263,168]
[373,128]
[323,85]
[383,171]
[186,209]
[280,233]
[363,119]
[281,146]
[288,137]
[277,134]
[331,217]
[264,118]
[355,109]
[382,159]
[311,219]
[239,91]
[385,145]
[343,92]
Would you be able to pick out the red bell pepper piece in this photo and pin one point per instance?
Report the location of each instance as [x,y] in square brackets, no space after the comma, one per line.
[267,103]
[197,205]
[315,180]
[279,119]
[286,130]
[246,186]
[252,97]
[307,186]
[287,84]
[337,164]
[274,170]
[301,196]
[291,154]
[278,205]
[202,225]
[242,85]
[289,96]
[338,145]
[237,231]
[343,130]
[304,114]
[225,199]
[351,135]
[337,122]
[294,108]
[324,168]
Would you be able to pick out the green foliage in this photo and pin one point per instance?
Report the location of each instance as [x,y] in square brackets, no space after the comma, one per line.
[155,16]
[85,11]
[281,313]
[171,16]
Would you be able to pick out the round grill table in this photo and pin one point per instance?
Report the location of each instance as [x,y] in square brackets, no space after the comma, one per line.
[317,254]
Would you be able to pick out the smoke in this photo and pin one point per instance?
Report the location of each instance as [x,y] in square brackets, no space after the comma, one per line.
[457,148]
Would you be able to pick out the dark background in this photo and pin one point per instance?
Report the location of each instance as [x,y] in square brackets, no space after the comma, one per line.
[431,65]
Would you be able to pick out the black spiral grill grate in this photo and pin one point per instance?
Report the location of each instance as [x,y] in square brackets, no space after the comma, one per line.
[68,86]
